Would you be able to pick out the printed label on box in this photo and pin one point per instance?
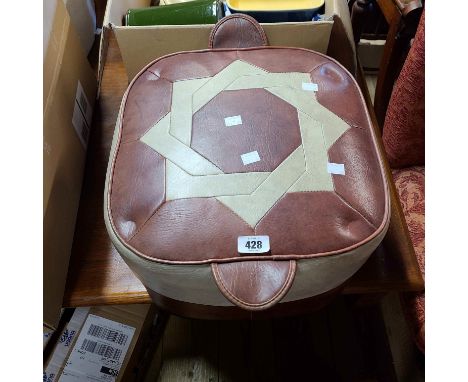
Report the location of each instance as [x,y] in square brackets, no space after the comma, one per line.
[64,343]
[84,104]
[99,351]
[82,115]
[80,125]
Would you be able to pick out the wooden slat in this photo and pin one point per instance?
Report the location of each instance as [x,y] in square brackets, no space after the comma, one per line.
[205,350]
[321,356]
[234,351]
[349,361]
[345,342]
[263,364]
[178,364]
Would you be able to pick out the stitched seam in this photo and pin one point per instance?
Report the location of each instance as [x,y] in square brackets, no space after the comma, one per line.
[233,212]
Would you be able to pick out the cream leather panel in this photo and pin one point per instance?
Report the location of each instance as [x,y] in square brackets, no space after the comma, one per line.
[160,140]
[306,102]
[316,177]
[221,81]
[260,81]
[253,207]
[180,185]
[181,122]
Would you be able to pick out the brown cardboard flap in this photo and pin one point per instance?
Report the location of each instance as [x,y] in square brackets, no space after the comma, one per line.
[141,45]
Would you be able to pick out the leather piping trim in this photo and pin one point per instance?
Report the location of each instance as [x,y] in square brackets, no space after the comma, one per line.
[250,19]
[378,149]
[259,306]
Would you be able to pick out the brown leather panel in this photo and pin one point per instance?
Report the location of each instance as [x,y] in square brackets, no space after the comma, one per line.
[362,186]
[137,169]
[209,312]
[254,285]
[149,100]
[192,65]
[304,223]
[273,60]
[269,126]
[339,94]
[191,230]
[237,31]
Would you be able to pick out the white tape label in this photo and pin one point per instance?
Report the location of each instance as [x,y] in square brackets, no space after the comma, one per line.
[233,121]
[336,168]
[249,158]
[253,244]
[309,86]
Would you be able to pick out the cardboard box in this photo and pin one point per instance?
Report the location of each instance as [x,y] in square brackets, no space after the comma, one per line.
[370,53]
[142,44]
[69,92]
[136,321]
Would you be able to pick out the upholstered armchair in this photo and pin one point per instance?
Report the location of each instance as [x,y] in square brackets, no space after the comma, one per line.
[403,137]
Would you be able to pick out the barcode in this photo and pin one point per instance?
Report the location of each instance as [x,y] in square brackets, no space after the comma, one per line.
[107,334]
[101,349]
[83,103]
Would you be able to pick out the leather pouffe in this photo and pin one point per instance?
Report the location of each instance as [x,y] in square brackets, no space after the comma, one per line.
[222,151]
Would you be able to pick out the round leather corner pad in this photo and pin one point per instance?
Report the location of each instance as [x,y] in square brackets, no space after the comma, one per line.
[254,285]
[237,31]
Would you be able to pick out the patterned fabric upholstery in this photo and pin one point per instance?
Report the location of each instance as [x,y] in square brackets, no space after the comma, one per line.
[403,132]
[403,137]
[409,183]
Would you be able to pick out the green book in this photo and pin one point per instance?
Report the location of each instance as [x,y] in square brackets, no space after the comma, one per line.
[191,12]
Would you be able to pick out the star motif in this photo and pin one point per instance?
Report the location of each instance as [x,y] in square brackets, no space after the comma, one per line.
[249,195]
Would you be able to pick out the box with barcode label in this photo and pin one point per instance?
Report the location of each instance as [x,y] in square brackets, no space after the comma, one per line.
[99,351]
[100,344]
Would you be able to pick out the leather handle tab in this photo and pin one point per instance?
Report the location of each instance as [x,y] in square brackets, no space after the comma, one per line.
[237,31]
[254,285]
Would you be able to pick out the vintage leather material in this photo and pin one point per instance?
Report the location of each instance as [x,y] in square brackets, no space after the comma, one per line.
[179,191]
[266,119]
[255,285]
[237,31]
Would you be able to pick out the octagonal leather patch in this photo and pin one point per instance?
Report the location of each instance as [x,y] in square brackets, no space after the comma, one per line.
[268,125]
